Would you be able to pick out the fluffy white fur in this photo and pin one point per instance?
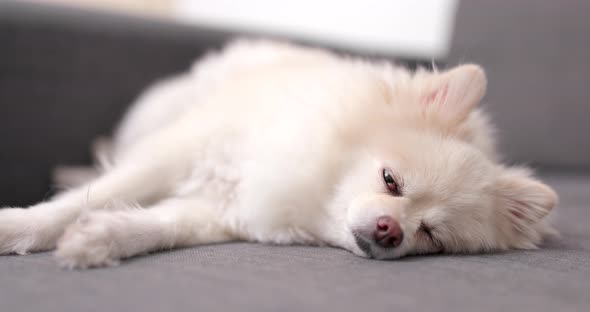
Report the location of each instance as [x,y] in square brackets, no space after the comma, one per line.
[271,142]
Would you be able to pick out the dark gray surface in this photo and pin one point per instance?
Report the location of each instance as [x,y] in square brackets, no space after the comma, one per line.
[254,277]
[536,55]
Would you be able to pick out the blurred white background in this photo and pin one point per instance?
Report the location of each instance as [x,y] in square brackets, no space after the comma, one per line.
[396,27]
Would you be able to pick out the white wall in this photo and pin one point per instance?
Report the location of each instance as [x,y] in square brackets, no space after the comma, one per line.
[419,28]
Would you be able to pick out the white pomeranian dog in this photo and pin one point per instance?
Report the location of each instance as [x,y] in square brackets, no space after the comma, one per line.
[276,143]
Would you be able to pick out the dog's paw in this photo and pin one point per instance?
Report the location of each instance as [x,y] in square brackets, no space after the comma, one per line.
[90,242]
[17,231]
[33,229]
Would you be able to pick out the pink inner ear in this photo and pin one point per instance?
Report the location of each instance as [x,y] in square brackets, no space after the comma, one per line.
[517,214]
[518,209]
[438,96]
[434,99]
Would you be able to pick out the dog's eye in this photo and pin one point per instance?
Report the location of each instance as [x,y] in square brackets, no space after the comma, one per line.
[390,182]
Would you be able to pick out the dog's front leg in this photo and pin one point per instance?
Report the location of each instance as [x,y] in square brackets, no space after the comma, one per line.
[39,227]
[103,237]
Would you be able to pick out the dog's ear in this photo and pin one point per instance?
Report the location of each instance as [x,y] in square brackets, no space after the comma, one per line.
[451,95]
[523,200]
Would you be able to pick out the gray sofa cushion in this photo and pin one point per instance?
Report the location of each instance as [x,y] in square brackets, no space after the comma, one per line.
[254,277]
[67,76]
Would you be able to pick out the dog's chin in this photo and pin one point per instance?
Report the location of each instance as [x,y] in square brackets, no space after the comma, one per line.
[372,250]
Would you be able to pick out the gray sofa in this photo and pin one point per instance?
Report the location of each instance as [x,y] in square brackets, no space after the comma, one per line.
[67,75]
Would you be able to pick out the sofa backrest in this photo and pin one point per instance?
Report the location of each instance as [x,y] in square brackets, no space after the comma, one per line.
[536,56]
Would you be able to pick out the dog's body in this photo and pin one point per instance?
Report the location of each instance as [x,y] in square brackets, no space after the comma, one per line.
[275,143]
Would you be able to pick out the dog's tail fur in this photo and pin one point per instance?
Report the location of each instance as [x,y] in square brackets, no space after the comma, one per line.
[66,177]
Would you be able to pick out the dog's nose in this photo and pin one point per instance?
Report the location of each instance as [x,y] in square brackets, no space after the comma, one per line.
[388,233]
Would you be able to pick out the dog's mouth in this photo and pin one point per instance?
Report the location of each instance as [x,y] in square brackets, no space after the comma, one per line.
[371,249]
[364,245]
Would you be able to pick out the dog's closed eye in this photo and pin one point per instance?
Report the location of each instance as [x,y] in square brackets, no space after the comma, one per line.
[426,231]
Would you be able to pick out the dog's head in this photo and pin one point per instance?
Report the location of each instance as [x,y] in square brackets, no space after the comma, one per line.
[422,185]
